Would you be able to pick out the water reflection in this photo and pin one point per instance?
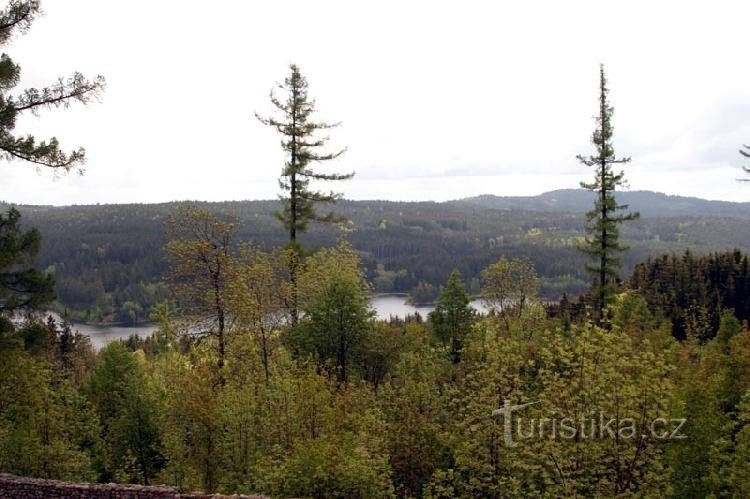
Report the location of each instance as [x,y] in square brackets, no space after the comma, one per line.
[386,306]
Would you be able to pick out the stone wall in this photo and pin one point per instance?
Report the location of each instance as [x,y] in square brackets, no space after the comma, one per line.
[33,488]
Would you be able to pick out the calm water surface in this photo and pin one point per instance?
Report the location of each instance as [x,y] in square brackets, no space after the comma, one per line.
[385,306]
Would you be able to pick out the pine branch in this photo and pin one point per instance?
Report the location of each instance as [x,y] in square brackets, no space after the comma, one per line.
[42,154]
[77,88]
[17,16]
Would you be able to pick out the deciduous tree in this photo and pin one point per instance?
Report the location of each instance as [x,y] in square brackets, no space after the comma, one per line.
[202,271]
[509,282]
[258,298]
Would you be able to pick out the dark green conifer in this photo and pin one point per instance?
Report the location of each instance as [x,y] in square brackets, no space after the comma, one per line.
[21,286]
[302,146]
[453,316]
[602,243]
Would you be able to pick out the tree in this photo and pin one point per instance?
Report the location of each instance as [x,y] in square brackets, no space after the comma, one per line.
[508,282]
[192,423]
[453,316]
[338,321]
[47,429]
[337,314]
[21,286]
[17,17]
[741,464]
[745,153]
[258,298]
[299,142]
[202,272]
[604,219]
[128,408]
[302,146]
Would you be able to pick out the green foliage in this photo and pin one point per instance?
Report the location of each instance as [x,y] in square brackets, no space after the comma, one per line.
[413,404]
[740,466]
[260,297]
[104,256]
[318,468]
[47,428]
[509,283]
[423,293]
[215,400]
[202,274]
[385,280]
[16,18]
[21,286]
[192,426]
[603,244]
[729,327]
[337,316]
[452,318]
[578,375]
[129,408]
[346,406]
[301,145]
[408,422]
[693,291]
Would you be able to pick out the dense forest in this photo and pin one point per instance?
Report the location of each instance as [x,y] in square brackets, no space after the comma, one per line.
[269,372]
[108,262]
[405,409]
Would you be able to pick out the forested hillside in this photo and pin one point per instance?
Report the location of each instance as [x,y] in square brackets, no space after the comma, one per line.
[608,354]
[649,204]
[108,260]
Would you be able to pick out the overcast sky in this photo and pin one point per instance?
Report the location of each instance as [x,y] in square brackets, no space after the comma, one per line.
[439,100]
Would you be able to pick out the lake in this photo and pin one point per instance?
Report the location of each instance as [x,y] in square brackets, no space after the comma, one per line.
[391,305]
[385,306]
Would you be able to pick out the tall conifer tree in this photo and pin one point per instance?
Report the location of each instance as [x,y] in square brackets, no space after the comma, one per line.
[302,146]
[602,242]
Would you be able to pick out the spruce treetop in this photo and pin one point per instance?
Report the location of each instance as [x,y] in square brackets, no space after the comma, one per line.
[303,146]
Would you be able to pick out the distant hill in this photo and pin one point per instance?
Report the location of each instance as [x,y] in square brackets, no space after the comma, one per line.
[649,204]
[108,260]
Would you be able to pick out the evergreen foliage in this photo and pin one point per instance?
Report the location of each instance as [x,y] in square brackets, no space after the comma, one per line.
[273,376]
[337,316]
[17,18]
[22,287]
[107,258]
[603,245]
[453,316]
[295,124]
[693,291]
[409,421]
